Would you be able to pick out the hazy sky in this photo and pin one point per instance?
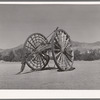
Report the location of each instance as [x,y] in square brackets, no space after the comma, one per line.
[17,22]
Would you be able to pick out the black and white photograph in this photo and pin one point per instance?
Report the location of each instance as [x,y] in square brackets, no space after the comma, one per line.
[50,46]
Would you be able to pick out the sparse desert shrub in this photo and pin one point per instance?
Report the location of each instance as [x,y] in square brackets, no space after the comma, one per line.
[19,54]
[0,57]
[88,55]
[9,57]
[77,55]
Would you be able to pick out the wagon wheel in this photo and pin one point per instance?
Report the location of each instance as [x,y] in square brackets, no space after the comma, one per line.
[34,58]
[61,50]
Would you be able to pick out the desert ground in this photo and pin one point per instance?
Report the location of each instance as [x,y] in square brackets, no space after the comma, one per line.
[85,76]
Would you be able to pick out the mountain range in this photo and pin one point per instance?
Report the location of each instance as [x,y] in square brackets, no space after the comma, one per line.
[81,46]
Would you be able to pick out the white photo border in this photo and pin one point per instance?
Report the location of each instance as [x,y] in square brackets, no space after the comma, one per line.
[50,94]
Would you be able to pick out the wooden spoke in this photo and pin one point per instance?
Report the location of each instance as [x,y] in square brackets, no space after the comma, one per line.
[67,60]
[31,44]
[44,56]
[68,53]
[57,56]
[57,43]
[67,43]
[32,63]
[40,61]
[29,47]
[58,36]
[43,61]
[62,60]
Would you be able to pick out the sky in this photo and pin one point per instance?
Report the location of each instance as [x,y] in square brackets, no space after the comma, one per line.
[17,22]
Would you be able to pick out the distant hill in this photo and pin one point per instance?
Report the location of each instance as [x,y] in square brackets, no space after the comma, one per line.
[1,50]
[6,51]
[85,46]
[80,46]
[12,54]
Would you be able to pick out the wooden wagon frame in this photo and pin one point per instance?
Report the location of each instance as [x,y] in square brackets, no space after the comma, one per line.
[36,50]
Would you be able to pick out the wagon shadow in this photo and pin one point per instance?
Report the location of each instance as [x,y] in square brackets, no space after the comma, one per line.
[66,70]
[48,68]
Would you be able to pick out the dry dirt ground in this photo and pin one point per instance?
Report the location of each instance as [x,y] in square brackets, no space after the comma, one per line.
[85,76]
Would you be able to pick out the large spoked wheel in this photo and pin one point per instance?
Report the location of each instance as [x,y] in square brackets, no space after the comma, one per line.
[36,58]
[62,50]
